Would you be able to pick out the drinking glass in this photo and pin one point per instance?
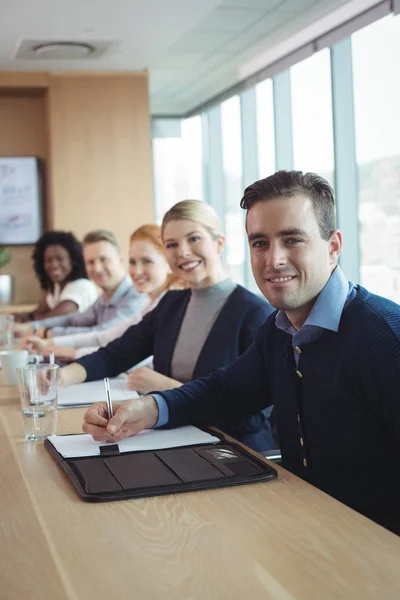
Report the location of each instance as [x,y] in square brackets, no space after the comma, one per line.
[38,387]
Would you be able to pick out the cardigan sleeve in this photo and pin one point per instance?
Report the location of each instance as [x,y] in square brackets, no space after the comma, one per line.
[136,344]
[236,392]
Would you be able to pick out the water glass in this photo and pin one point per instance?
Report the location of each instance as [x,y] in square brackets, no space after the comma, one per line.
[38,387]
[6,331]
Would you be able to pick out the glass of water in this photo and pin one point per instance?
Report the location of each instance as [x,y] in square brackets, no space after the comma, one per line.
[38,387]
[6,331]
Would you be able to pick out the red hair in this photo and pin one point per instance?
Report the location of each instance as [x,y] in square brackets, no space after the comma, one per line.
[152,233]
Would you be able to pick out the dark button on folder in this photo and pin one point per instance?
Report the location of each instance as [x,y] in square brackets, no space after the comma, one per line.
[109,450]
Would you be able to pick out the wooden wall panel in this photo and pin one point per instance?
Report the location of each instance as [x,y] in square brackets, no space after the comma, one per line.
[93,131]
[23,133]
[24,80]
[100,153]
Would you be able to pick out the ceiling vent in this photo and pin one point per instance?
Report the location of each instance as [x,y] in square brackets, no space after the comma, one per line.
[62,49]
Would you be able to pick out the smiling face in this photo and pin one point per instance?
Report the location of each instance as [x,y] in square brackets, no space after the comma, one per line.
[57,263]
[148,268]
[103,263]
[291,262]
[192,254]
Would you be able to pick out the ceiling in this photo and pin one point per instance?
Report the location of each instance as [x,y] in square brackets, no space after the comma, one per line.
[193,50]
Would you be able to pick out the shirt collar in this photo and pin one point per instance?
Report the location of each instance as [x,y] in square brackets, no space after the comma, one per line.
[121,290]
[327,309]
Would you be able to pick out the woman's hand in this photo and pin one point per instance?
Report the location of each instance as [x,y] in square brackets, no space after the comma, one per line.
[71,374]
[63,353]
[22,329]
[130,417]
[145,380]
[26,329]
[34,344]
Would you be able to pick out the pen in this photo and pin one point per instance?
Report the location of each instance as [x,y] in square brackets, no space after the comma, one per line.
[108,397]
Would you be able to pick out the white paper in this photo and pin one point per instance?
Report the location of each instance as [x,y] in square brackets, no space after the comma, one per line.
[71,446]
[84,394]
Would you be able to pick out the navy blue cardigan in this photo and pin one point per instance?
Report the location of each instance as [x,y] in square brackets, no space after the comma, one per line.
[232,333]
[338,423]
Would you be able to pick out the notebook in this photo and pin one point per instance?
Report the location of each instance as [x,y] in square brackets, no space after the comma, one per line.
[154,463]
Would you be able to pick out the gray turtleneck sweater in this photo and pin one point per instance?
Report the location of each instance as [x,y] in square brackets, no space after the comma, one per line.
[203,308]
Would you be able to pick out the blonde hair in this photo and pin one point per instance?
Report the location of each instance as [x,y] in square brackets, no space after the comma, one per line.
[152,233]
[194,210]
[101,235]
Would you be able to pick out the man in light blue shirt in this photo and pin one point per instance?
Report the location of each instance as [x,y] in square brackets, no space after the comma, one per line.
[119,300]
[328,360]
[324,316]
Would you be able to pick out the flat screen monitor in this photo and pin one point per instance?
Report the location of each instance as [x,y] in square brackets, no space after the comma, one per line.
[20,201]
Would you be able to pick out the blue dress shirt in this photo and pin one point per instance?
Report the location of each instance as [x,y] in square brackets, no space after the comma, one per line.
[335,296]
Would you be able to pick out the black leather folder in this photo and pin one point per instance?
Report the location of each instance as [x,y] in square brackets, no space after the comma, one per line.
[119,476]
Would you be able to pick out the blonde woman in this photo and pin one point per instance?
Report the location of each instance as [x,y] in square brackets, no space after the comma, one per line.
[191,332]
[150,274]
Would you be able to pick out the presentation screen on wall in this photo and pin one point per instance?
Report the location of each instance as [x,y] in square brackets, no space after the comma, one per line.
[20,213]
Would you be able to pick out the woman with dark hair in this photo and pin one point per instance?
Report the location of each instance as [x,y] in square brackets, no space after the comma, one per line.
[59,265]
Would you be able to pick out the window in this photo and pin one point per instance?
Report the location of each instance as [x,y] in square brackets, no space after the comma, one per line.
[233,172]
[376,101]
[265,128]
[312,118]
[178,167]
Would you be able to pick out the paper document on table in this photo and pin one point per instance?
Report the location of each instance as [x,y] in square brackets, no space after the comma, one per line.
[83,394]
[71,446]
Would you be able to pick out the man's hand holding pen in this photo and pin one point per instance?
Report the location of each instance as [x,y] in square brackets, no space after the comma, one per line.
[130,417]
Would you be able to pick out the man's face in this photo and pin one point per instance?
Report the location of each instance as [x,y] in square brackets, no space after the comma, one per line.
[291,263]
[103,264]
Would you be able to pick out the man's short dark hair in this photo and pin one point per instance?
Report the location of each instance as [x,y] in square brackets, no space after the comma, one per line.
[292,183]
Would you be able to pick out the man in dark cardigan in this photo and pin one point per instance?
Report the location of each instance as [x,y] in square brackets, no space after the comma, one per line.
[328,359]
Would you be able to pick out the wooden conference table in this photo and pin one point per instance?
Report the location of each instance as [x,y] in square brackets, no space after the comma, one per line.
[281,540]
[13,309]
